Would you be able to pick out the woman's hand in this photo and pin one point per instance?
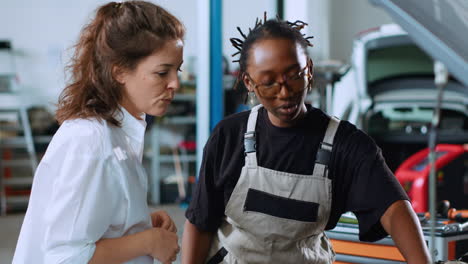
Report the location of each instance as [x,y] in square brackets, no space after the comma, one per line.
[158,243]
[163,245]
[161,219]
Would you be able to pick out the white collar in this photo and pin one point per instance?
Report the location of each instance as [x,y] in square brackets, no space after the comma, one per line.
[134,128]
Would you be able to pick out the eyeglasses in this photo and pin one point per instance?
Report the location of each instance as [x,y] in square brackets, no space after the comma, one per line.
[293,81]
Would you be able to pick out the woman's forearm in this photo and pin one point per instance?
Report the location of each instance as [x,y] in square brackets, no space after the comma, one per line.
[195,244]
[122,249]
[402,224]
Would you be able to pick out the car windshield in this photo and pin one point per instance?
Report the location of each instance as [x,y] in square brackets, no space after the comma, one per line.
[397,61]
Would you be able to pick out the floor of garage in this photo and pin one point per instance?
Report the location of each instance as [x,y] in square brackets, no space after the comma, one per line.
[10,226]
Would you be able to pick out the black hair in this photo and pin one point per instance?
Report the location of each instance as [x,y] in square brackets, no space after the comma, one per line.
[273,28]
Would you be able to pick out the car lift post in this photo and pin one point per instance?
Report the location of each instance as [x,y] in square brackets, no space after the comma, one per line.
[440,80]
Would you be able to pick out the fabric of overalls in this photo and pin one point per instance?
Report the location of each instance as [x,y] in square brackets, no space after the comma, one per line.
[274,216]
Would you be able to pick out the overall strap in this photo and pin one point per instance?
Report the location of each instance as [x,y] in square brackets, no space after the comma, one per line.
[326,147]
[249,138]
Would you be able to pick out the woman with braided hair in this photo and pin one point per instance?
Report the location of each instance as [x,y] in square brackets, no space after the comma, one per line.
[274,178]
[89,196]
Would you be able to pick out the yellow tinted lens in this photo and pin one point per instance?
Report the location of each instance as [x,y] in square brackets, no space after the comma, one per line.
[296,84]
[295,76]
[269,90]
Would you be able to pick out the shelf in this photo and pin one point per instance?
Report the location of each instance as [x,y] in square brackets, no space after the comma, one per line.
[159,160]
[182,158]
[17,199]
[188,83]
[179,120]
[13,142]
[165,158]
[42,139]
[10,127]
[20,141]
[8,75]
[15,163]
[18,181]
[8,115]
[182,121]
[185,97]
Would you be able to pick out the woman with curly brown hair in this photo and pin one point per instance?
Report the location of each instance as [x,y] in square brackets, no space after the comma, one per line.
[89,197]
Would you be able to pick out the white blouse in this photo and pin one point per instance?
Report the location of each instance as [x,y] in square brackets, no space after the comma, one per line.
[89,185]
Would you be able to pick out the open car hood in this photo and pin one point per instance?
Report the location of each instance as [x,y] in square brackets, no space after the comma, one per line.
[439,27]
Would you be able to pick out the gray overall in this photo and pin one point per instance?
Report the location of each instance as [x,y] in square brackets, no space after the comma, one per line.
[274,216]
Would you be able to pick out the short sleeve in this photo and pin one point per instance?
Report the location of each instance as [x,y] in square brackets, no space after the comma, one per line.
[369,186]
[206,208]
[81,207]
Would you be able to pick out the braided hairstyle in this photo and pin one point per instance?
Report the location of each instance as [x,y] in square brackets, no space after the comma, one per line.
[267,29]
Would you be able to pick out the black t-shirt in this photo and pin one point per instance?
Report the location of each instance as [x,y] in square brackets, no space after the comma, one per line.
[362,182]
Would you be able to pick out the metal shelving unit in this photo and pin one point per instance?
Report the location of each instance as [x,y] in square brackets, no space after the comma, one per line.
[23,182]
[158,159]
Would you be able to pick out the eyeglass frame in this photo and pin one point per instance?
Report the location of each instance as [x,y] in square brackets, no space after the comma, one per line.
[285,80]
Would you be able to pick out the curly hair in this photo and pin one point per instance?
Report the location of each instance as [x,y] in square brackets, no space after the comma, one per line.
[121,34]
[268,29]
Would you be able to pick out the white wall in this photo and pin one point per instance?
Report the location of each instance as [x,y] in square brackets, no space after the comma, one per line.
[43,32]
[348,18]
[316,13]
[333,23]
[242,13]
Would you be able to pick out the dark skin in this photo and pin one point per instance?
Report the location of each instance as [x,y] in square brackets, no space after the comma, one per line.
[269,61]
